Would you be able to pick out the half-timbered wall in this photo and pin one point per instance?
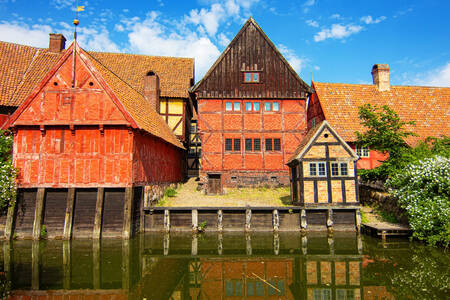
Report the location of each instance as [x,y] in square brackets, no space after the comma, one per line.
[173,111]
[216,124]
[326,173]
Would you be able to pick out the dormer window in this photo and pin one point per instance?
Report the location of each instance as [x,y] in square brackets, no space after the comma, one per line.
[251,77]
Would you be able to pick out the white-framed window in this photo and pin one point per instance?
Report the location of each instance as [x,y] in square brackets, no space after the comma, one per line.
[237,106]
[339,169]
[318,169]
[229,106]
[362,151]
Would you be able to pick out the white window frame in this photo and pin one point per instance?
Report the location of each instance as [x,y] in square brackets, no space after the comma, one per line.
[317,167]
[362,151]
[339,168]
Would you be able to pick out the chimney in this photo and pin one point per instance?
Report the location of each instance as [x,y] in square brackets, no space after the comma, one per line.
[151,89]
[380,76]
[57,43]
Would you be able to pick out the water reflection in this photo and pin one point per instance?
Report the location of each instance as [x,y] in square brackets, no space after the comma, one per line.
[226,266]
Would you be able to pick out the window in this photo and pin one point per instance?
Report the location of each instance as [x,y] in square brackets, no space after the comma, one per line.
[248,144]
[237,144]
[268,144]
[321,169]
[257,144]
[228,145]
[275,106]
[267,106]
[248,106]
[317,169]
[362,151]
[256,106]
[312,169]
[251,77]
[344,169]
[237,106]
[334,169]
[276,145]
[228,106]
[313,122]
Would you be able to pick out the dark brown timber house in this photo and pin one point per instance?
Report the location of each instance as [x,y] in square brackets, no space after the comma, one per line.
[251,113]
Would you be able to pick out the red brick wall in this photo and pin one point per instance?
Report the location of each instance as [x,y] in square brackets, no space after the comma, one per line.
[155,161]
[216,124]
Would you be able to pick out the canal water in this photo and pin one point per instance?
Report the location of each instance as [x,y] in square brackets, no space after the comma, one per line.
[225,266]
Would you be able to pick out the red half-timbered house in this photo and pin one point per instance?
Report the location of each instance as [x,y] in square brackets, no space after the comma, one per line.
[251,113]
[338,103]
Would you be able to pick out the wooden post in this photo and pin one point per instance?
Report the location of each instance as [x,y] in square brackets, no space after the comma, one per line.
[330,222]
[194,220]
[68,221]
[248,219]
[128,213]
[141,212]
[98,214]
[358,220]
[219,220]
[276,220]
[39,208]
[331,244]
[67,266]
[194,244]
[96,260]
[166,220]
[303,222]
[35,257]
[7,259]
[10,220]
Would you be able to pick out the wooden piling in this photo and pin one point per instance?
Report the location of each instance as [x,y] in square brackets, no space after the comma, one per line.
[220,220]
[128,213]
[39,208]
[126,280]
[96,260]
[358,220]
[330,221]
[194,244]
[10,220]
[276,220]
[67,266]
[35,258]
[276,243]
[166,220]
[166,244]
[97,233]
[248,219]
[7,259]
[194,220]
[68,220]
[303,222]
[220,243]
[141,212]
[304,245]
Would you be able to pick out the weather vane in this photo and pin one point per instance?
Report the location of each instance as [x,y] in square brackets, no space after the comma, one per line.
[75,23]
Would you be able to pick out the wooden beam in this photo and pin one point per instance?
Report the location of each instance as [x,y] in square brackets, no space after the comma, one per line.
[67,266]
[96,261]
[166,220]
[303,222]
[35,263]
[128,213]
[38,210]
[194,220]
[276,220]
[9,226]
[97,233]
[358,220]
[219,220]
[141,211]
[248,219]
[68,220]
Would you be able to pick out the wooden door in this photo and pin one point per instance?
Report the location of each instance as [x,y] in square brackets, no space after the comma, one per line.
[214,184]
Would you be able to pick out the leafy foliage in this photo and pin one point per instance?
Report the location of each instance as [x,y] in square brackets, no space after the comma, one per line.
[423,190]
[7,172]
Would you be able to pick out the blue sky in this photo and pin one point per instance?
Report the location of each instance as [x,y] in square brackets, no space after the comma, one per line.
[338,41]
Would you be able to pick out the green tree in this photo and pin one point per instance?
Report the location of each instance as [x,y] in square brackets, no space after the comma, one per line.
[7,172]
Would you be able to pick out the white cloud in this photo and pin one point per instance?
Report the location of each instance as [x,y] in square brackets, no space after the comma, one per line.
[36,35]
[307,5]
[312,23]
[207,18]
[223,40]
[297,63]
[438,77]
[60,4]
[337,31]
[336,16]
[370,20]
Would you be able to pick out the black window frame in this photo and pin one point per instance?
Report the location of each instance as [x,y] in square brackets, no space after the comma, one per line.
[236,145]
[248,145]
[256,142]
[276,144]
[228,144]
[268,142]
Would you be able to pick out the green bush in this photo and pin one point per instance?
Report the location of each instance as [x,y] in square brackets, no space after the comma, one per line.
[8,173]
[423,190]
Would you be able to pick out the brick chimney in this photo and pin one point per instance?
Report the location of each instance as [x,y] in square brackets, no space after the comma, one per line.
[57,42]
[380,76]
[151,89]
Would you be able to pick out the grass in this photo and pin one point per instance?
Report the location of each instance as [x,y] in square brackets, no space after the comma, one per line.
[364,218]
[168,193]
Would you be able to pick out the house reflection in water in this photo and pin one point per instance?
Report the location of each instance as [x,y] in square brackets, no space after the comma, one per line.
[232,266]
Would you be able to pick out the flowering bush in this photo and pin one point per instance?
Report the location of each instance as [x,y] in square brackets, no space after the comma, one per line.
[423,190]
[7,172]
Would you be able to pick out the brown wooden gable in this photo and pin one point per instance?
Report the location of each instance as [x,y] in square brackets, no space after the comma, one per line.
[251,50]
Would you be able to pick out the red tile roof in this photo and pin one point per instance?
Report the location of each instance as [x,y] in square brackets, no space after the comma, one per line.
[23,67]
[429,107]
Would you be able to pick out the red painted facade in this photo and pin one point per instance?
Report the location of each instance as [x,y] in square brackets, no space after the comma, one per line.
[82,137]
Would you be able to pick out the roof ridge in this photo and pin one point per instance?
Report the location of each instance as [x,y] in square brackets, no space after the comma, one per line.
[144,55]
[17,44]
[392,85]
